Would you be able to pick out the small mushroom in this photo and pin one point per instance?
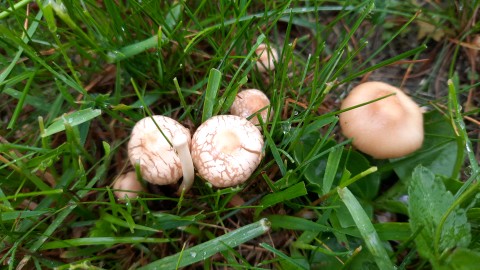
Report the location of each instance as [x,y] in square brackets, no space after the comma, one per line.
[160,146]
[267,57]
[388,128]
[127,185]
[251,102]
[226,150]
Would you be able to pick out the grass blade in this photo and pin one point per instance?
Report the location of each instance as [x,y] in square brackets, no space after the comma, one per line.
[73,119]
[101,241]
[205,250]
[211,93]
[292,192]
[365,226]
[283,256]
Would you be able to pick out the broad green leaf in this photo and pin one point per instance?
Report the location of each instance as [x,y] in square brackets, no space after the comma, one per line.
[367,187]
[325,171]
[428,202]
[438,154]
[463,259]
[73,119]
[438,150]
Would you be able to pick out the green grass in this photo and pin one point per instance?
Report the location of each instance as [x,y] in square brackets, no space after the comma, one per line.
[77,78]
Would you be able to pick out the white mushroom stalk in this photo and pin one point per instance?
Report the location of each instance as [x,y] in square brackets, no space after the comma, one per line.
[150,147]
[181,145]
[226,150]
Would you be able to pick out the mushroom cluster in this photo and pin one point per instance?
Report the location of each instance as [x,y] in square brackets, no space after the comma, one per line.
[391,127]
[225,150]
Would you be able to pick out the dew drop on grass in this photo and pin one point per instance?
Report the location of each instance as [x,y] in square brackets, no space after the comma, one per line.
[193,254]
[286,128]
[468,171]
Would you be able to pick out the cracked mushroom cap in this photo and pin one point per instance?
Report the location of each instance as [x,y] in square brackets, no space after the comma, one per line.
[157,159]
[226,150]
[388,128]
[249,102]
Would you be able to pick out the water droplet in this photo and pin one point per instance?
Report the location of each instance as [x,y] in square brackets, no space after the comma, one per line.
[193,254]
[286,128]
[468,171]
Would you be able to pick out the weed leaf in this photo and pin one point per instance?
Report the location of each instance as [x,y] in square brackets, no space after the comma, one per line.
[428,202]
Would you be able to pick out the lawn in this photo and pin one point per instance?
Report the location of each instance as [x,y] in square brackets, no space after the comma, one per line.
[76,76]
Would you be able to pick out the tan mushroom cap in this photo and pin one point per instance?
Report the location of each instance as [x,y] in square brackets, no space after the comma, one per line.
[388,128]
[249,102]
[267,57]
[157,159]
[226,150]
[127,185]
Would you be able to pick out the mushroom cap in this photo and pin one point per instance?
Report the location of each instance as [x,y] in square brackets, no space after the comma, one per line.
[226,150]
[158,161]
[388,128]
[126,182]
[248,102]
[267,56]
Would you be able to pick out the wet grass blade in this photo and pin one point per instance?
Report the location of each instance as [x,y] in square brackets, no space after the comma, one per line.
[367,231]
[73,119]
[205,250]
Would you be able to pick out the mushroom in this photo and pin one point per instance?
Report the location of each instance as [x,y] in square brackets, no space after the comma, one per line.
[226,150]
[251,102]
[127,185]
[160,146]
[267,57]
[388,128]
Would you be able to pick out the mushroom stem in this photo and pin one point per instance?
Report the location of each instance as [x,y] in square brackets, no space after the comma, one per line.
[180,144]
